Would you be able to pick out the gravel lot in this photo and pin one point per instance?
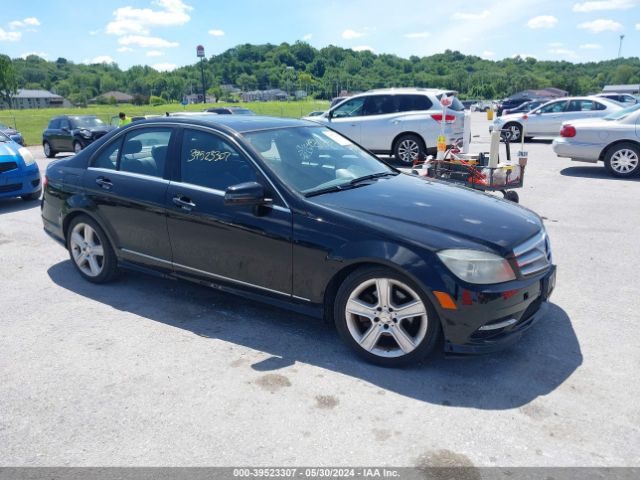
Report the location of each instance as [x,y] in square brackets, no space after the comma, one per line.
[153,372]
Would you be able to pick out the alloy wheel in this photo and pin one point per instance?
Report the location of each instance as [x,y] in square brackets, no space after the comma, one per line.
[386,317]
[408,150]
[514,133]
[47,149]
[87,250]
[77,148]
[624,161]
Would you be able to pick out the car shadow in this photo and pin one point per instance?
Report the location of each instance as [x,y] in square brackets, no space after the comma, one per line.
[11,205]
[544,141]
[594,171]
[540,362]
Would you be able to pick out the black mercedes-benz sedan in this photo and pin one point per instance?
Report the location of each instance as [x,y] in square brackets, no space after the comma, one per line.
[293,213]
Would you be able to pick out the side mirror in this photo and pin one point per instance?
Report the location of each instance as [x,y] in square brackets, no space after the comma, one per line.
[247,193]
[329,115]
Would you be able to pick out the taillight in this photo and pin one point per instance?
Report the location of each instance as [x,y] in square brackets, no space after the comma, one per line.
[568,131]
[45,181]
[447,118]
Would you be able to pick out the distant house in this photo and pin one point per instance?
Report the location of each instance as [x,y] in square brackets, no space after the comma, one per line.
[549,92]
[632,89]
[264,95]
[37,99]
[120,97]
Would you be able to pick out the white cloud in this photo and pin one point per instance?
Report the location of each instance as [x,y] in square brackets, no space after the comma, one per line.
[216,33]
[488,54]
[604,5]
[417,35]
[590,46]
[563,52]
[351,34]
[601,25]
[125,49]
[154,53]
[93,33]
[100,59]
[139,20]
[471,16]
[164,67]
[362,48]
[9,36]
[307,37]
[39,54]
[555,44]
[637,26]
[146,42]
[542,21]
[27,22]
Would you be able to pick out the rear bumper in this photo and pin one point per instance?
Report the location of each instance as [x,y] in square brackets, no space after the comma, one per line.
[487,320]
[587,152]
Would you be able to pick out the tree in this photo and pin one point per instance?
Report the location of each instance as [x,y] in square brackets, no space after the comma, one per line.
[8,80]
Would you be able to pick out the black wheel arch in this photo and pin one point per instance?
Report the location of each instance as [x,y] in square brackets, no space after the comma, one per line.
[400,135]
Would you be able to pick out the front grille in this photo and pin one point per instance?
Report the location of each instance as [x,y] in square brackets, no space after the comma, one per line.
[534,256]
[13,187]
[6,166]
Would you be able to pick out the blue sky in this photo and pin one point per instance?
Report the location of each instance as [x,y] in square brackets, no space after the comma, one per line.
[164,33]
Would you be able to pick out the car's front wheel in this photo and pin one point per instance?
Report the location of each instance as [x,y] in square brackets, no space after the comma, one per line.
[408,148]
[513,131]
[48,151]
[90,250]
[623,160]
[77,147]
[385,318]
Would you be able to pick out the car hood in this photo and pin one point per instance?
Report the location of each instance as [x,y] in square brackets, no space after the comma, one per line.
[9,151]
[411,207]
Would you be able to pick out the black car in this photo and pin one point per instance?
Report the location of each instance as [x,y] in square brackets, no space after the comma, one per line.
[12,133]
[293,213]
[511,103]
[230,111]
[525,107]
[72,133]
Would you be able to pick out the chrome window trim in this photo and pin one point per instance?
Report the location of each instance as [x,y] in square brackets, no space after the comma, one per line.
[213,275]
[130,174]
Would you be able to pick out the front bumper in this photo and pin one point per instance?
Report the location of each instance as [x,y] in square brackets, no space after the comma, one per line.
[20,181]
[490,319]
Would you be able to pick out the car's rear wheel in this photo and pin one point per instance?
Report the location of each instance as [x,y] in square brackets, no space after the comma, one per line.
[77,147]
[48,151]
[408,148]
[385,318]
[623,160]
[90,250]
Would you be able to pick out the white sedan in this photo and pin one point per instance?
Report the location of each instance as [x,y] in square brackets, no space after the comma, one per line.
[614,139]
[546,120]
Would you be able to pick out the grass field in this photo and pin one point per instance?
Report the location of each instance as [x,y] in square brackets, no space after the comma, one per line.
[31,123]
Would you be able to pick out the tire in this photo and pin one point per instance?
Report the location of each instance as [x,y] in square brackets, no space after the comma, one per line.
[623,160]
[77,147]
[372,327]
[408,148]
[48,151]
[90,250]
[32,196]
[514,131]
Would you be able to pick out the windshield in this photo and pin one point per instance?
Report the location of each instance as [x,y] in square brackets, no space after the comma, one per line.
[620,114]
[314,159]
[86,122]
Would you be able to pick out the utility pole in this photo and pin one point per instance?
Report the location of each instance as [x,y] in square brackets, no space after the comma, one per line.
[620,47]
[200,53]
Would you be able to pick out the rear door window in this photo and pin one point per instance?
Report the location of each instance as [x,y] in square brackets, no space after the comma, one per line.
[380,105]
[144,151]
[107,158]
[411,103]
[555,107]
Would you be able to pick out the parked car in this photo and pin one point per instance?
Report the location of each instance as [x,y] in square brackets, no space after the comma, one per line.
[481,107]
[290,212]
[468,103]
[546,120]
[525,107]
[510,103]
[404,122]
[614,140]
[19,173]
[230,111]
[336,101]
[315,113]
[72,133]
[623,98]
[12,133]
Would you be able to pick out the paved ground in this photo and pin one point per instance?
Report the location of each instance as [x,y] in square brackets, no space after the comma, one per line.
[155,372]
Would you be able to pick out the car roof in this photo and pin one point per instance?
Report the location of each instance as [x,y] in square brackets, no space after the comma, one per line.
[407,90]
[233,123]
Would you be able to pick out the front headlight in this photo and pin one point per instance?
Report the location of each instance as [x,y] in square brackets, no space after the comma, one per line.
[85,133]
[475,266]
[26,155]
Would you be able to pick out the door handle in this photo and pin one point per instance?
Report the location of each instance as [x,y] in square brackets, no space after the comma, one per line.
[183,202]
[104,183]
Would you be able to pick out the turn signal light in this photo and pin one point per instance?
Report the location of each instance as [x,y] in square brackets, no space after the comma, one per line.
[447,118]
[568,131]
[445,300]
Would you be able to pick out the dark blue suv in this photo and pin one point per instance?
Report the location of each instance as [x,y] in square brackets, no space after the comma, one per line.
[72,133]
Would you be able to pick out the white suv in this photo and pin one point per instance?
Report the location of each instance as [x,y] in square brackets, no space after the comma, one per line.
[404,122]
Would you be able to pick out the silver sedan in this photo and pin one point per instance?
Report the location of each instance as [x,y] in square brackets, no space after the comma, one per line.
[614,139]
[546,120]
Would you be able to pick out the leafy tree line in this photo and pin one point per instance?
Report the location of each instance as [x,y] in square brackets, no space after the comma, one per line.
[323,73]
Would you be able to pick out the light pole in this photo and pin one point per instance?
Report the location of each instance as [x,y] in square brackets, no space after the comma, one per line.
[620,47]
[200,53]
